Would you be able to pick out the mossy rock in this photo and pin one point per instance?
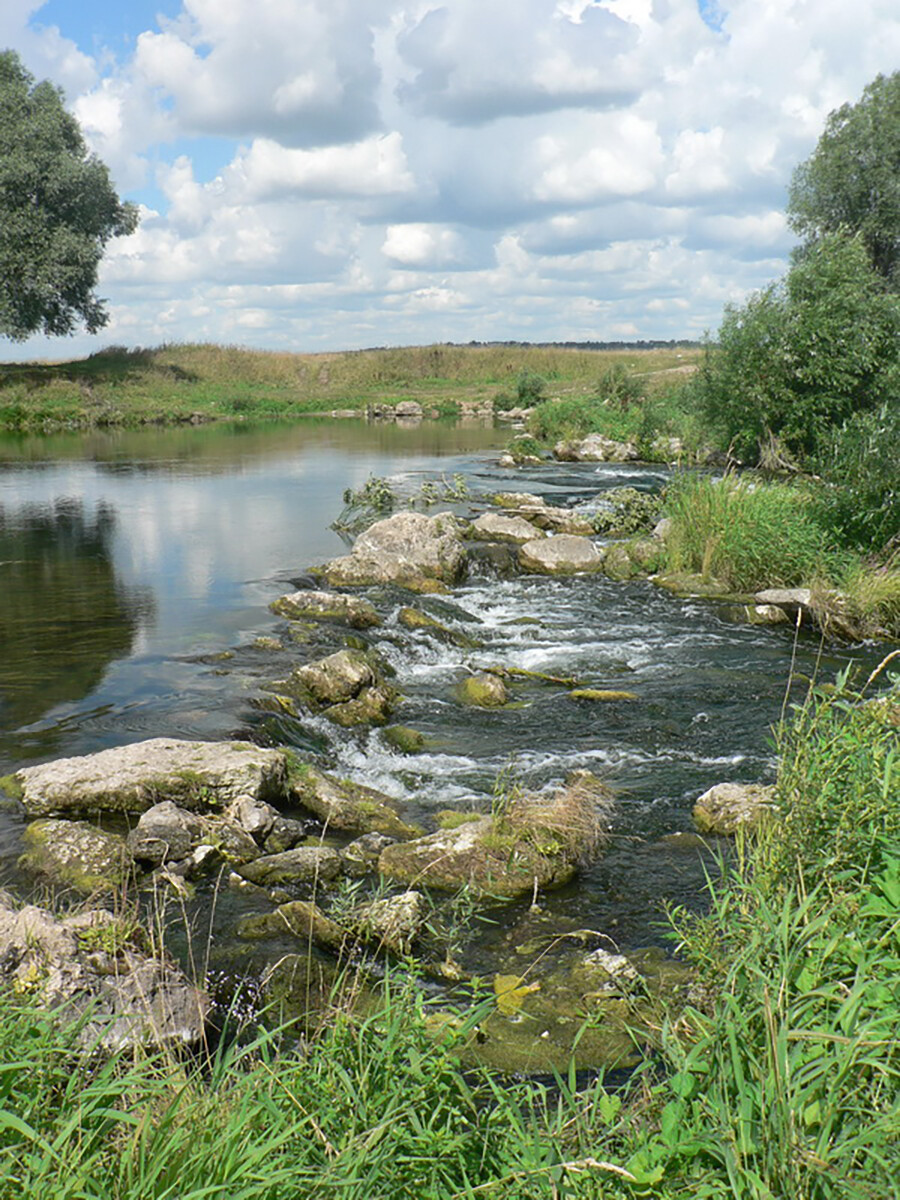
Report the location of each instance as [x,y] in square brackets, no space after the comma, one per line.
[346,806]
[417,620]
[404,739]
[601,695]
[484,690]
[77,855]
[452,818]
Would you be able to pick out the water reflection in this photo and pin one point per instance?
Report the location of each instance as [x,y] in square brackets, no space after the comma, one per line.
[64,615]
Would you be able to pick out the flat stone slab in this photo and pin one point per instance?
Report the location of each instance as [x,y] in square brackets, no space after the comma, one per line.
[306,605]
[194,775]
[563,554]
[494,527]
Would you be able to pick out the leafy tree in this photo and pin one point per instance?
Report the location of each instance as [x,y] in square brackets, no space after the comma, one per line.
[851,181]
[803,355]
[58,209]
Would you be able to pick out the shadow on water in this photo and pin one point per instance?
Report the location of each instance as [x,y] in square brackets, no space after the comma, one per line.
[64,617]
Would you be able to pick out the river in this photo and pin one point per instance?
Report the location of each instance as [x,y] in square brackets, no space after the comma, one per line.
[136,569]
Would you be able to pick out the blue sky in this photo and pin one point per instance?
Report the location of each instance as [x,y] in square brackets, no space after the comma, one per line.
[329,174]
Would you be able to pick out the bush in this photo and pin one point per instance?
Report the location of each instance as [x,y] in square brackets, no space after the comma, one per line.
[860,464]
[619,387]
[530,388]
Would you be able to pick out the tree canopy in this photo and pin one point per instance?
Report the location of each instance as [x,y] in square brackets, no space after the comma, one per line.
[851,181]
[58,209]
[805,354]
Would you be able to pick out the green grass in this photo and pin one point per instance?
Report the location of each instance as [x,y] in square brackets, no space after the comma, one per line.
[180,383]
[778,1076]
[747,534]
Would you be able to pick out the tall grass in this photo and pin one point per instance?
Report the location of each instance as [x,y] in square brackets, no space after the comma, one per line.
[746,535]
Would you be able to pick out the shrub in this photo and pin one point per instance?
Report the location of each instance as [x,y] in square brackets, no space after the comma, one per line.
[860,465]
[619,387]
[530,388]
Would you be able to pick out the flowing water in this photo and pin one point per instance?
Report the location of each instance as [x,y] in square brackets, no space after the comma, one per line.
[136,571]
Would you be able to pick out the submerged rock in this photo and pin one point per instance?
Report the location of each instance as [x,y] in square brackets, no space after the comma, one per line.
[563,554]
[299,918]
[408,548]
[416,619]
[484,690]
[326,606]
[346,806]
[728,807]
[90,967]
[195,775]
[76,854]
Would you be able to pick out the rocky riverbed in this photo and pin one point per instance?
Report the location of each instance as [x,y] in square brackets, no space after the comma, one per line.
[338,871]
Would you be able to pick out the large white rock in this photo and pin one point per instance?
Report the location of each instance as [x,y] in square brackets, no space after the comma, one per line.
[194,775]
[494,527]
[564,554]
[408,548]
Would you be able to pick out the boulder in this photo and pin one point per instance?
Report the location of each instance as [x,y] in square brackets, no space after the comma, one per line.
[90,967]
[484,690]
[345,687]
[404,739]
[164,833]
[494,527]
[794,602]
[392,923]
[195,775]
[408,410]
[728,807]
[75,854]
[517,500]
[302,865]
[534,844]
[326,606]
[284,834]
[559,520]
[563,554]
[408,548]
[360,857]
[299,918]
[348,807]
[595,448]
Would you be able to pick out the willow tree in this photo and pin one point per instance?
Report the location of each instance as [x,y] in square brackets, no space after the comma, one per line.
[58,210]
[851,182]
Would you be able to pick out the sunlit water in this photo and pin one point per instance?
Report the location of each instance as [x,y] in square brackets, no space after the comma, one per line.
[130,564]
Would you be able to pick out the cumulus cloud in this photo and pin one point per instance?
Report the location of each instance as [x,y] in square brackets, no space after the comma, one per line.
[300,71]
[336,173]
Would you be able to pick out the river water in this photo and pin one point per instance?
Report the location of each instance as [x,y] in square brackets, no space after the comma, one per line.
[136,571]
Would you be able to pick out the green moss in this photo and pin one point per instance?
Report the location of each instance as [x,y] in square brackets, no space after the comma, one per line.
[404,739]
[11,786]
[601,694]
[451,818]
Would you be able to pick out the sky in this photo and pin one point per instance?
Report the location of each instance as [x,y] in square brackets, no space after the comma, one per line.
[336,174]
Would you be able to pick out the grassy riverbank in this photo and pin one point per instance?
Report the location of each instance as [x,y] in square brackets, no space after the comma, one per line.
[174,383]
[777,1074]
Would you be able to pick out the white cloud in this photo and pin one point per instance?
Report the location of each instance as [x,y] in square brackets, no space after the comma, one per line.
[421,245]
[331,173]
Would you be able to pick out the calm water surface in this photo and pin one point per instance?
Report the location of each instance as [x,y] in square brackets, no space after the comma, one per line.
[131,563]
